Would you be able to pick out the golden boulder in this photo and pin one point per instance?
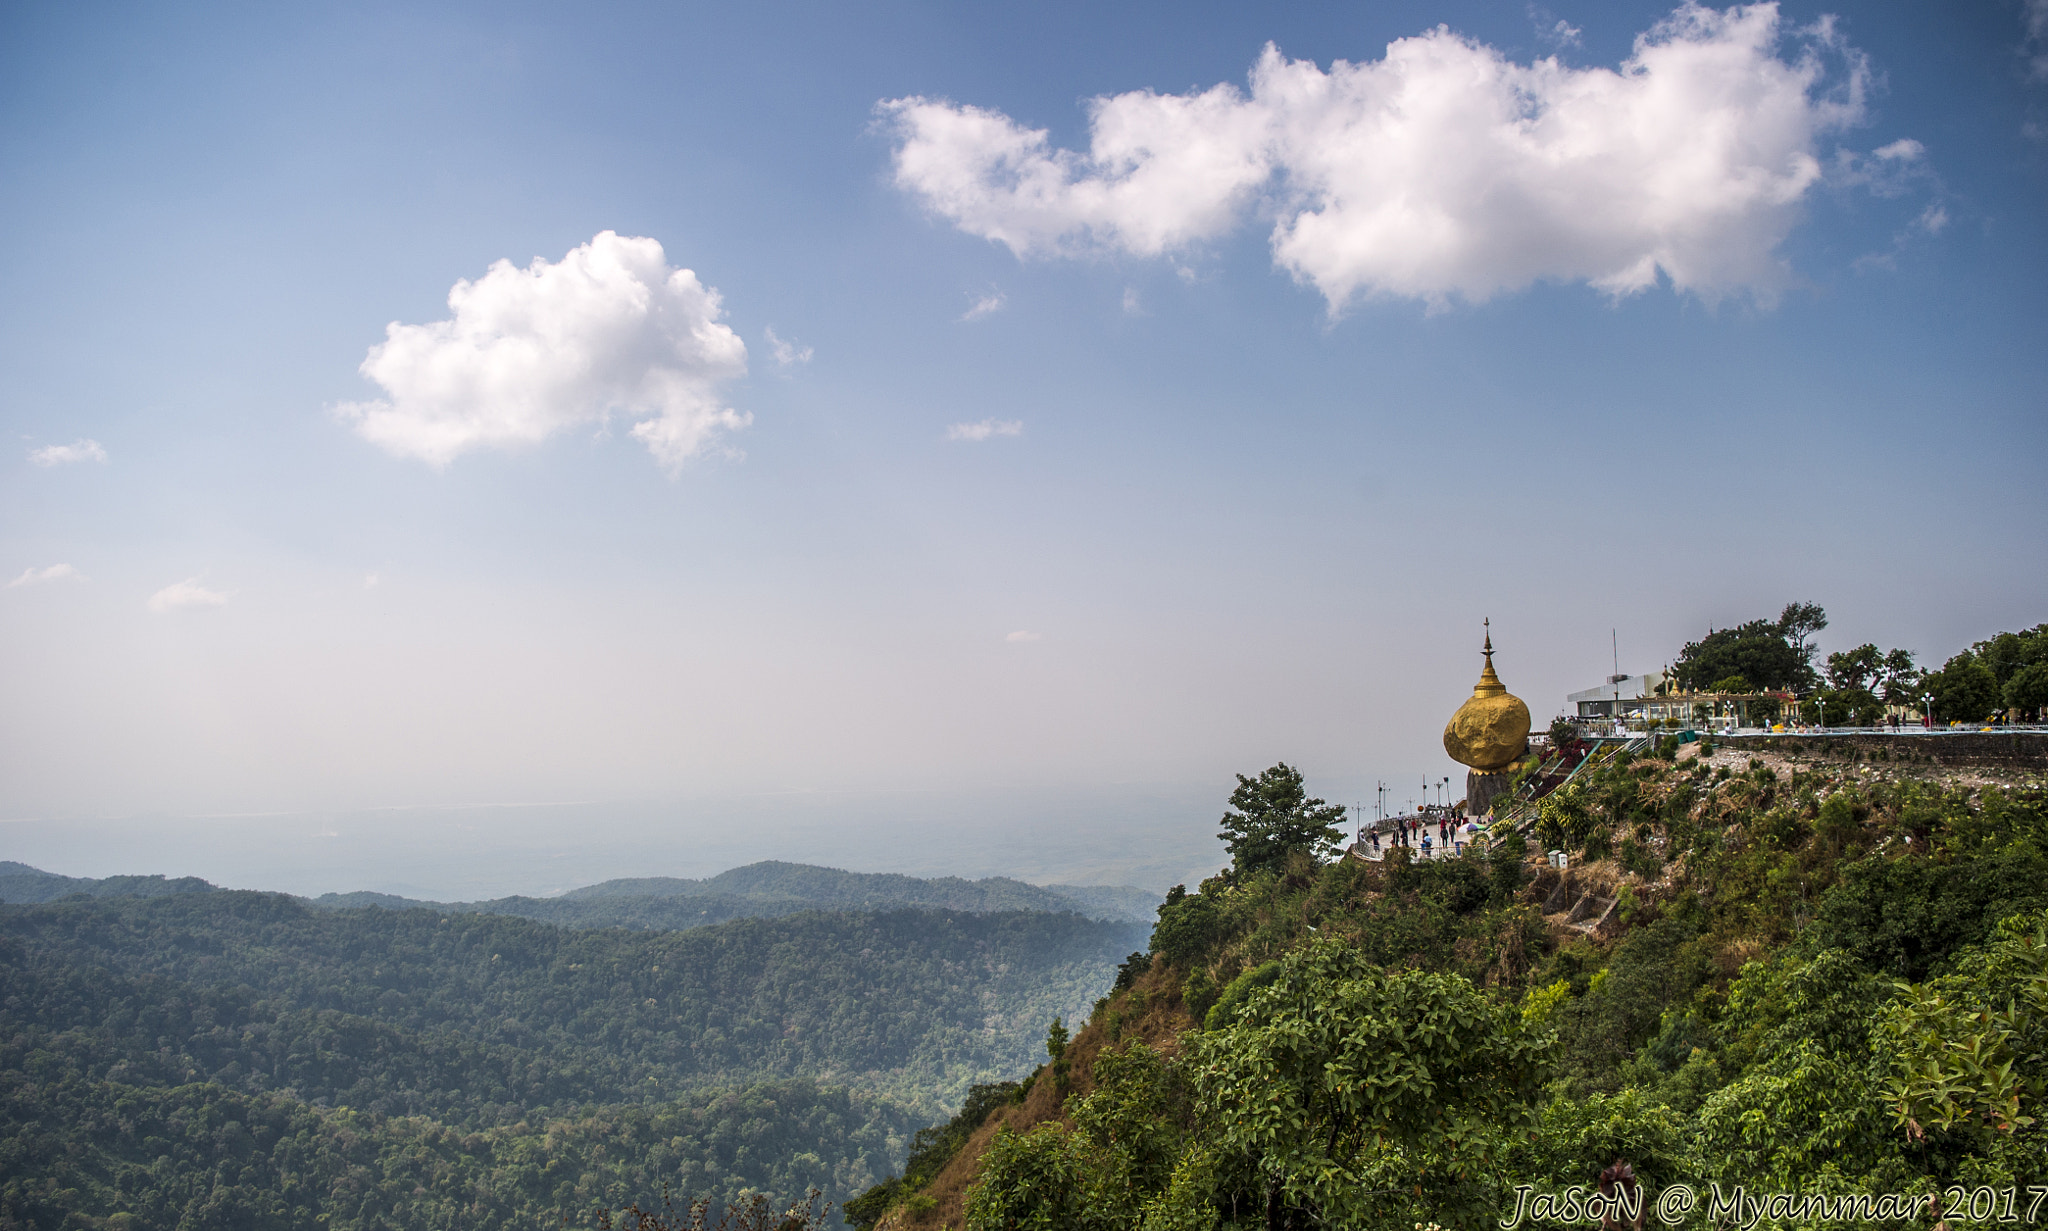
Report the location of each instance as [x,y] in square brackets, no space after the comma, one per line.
[1491,730]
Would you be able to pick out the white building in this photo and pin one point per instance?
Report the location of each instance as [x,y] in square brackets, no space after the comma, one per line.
[1613,698]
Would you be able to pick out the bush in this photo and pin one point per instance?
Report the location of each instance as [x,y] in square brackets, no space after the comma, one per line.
[1240,990]
[1188,927]
[1508,871]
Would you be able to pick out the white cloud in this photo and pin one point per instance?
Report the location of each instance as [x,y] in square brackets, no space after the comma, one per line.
[1905,149]
[1443,170]
[985,429]
[1021,635]
[1132,305]
[786,353]
[371,581]
[1934,219]
[187,593]
[991,302]
[64,455]
[610,329]
[55,572]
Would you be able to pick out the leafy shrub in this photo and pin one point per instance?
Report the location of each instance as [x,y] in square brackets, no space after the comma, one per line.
[1188,926]
[1240,990]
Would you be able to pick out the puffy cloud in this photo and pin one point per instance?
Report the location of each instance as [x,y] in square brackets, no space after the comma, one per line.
[786,353]
[984,306]
[64,455]
[37,576]
[609,329]
[1443,170]
[187,593]
[985,429]
[1020,635]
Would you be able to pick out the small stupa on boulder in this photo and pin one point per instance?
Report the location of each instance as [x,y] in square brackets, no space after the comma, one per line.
[1488,734]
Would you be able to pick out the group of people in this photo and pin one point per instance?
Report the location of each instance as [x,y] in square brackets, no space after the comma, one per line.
[1413,831]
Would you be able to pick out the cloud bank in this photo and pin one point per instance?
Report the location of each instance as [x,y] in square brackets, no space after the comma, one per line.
[610,329]
[65,455]
[37,576]
[1442,171]
[184,594]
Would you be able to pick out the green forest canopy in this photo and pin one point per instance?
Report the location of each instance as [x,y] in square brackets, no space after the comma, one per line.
[337,1057]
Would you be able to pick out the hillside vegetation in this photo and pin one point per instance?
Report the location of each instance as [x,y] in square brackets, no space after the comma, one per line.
[1796,973]
[242,1059]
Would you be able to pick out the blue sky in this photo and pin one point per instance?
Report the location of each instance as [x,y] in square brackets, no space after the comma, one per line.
[1085,483]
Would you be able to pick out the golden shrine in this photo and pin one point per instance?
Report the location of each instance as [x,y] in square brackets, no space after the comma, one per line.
[1488,734]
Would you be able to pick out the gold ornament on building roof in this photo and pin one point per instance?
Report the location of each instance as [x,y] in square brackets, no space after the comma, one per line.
[1491,730]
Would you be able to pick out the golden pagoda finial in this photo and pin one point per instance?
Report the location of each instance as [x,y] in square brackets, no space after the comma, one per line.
[1489,684]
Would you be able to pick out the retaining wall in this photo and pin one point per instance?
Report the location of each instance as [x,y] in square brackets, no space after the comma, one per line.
[2001,749]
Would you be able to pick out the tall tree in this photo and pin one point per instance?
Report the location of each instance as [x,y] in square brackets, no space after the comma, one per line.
[1855,669]
[1272,817]
[1798,622]
[1899,678]
[1965,690]
[1757,651]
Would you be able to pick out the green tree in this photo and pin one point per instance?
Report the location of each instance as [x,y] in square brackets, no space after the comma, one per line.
[1188,925]
[1758,651]
[2027,690]
[1272,817]
[1797,622]
[1341,1076]
[1056,1047]
[1970,1050]
[2008,653]
[1098,1173]
[1855,670]
[1899,679]
[1965,690]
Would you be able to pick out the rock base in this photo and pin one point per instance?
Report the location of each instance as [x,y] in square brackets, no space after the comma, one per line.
[1480,790]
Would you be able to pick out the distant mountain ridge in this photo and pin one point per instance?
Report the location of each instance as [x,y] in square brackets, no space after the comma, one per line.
[23,885]
[768,889]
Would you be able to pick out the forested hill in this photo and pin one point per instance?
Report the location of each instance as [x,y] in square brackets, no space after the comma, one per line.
[177,1052]
[759,890]
[22,883]
[1806,968]
[773,888]
[480,1019]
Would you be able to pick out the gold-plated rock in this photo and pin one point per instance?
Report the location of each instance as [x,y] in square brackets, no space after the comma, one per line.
[1491,729]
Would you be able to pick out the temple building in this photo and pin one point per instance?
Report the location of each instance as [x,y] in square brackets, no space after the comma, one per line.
[1488,734]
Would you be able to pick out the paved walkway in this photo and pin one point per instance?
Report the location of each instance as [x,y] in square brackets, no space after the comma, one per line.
[1363,848]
